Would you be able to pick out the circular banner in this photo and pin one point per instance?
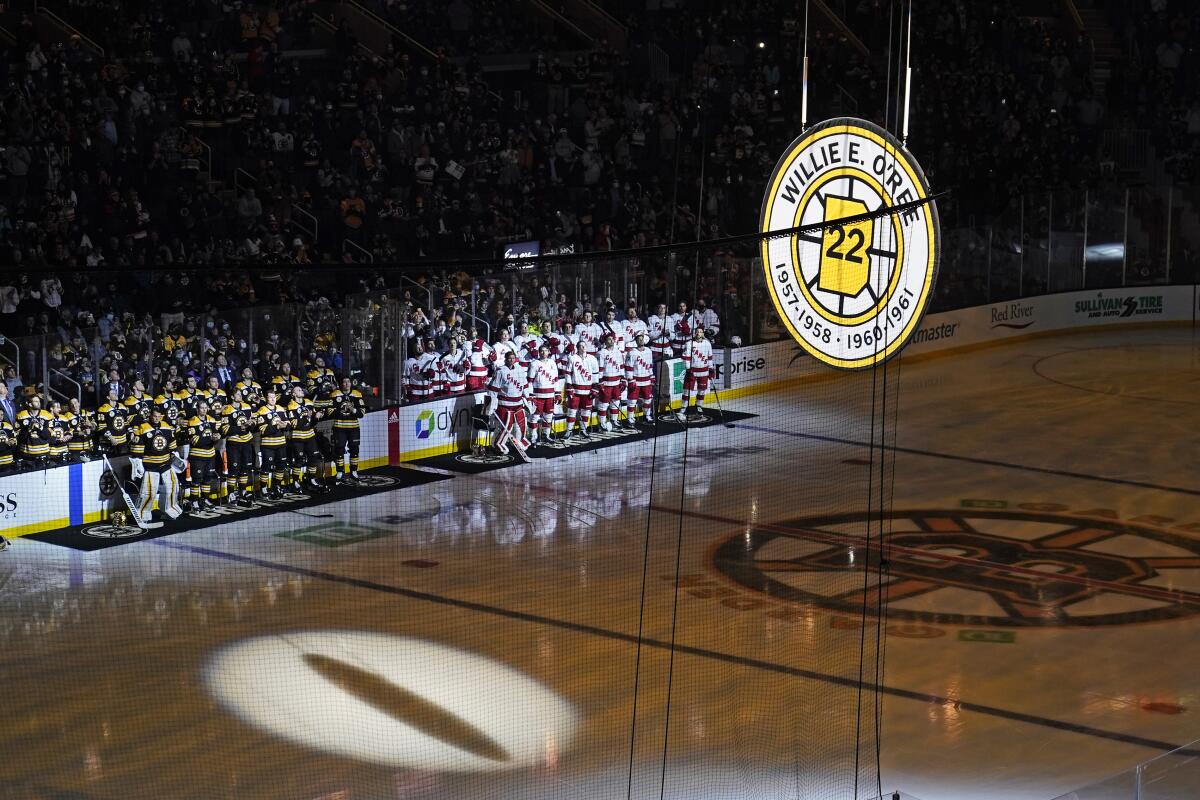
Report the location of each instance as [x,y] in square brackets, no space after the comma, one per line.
[850,294]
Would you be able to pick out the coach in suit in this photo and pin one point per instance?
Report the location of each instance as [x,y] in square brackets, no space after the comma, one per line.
[7,407]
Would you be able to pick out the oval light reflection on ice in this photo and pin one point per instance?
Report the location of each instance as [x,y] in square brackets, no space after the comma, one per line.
[391,700]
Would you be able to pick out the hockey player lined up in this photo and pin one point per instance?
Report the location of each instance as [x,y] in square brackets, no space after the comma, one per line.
[204,432]
[152,445]
[583,376]
[545,386]
[34,430]
[454,367]
[8,444]
[639,374]
[510,392]
[526,344]
[138,404]
[348,408]
[612,383]
[698,360]
[503,346]
[589,331]
[423,378]
[241,459]
[680,327]
[252,390]
[659,332]
[480,361]
[273,424]
[634,325]
[612,328]
[113,418]
[306,454]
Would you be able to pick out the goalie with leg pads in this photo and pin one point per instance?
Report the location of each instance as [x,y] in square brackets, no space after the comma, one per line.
[510,391]
[151,457]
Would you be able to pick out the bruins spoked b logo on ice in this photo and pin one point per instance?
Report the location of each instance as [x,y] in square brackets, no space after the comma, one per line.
[850,294]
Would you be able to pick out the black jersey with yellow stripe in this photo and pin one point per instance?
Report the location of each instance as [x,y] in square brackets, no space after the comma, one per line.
[114,420]
[241,422]
[138,407]
[203,435]
[8,442]
[303,414]
[273,422]
[34,431]
[348,408]
[154,444]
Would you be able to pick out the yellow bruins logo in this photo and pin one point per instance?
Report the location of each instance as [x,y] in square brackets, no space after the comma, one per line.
[118,423]
[159,443]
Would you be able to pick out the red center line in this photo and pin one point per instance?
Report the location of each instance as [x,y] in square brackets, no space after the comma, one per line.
[1182,598]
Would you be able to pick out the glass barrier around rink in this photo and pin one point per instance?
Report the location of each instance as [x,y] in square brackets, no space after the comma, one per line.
[1171,776]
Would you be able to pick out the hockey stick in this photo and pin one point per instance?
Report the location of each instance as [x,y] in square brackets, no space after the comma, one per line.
[308,514]
[721,410]
[137,518]
[506,434]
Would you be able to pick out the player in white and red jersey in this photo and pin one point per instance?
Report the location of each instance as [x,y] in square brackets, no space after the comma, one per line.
[583,374]
[410,377]
[612,383]
[430,365]
[589,331]
[567,333]
[660,335]
[612,327]
[698,360]
[420,377]
[526,344]
[639,374]
[455,365]
[633,326]
[510,393]
[504,345]
[544,384]
[480,358]
[680,328]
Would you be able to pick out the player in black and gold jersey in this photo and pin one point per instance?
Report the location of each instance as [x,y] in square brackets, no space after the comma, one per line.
[241,459]
[8,445]
[285,381]
[33,431]
[306,454]
[188,396]
[169,403]
[215,395]
[61,431]
[204,485]
[138,403]
[273,425]
[152,447]
[83,429]
[348,408]
[320,376]
[252,390]
[113,420]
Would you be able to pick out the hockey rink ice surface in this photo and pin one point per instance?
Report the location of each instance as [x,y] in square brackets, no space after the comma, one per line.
[497,614]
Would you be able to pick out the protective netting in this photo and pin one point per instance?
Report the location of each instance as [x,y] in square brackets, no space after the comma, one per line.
[289,546]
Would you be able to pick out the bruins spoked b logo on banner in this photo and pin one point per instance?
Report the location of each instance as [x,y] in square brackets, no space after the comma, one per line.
[850,294]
